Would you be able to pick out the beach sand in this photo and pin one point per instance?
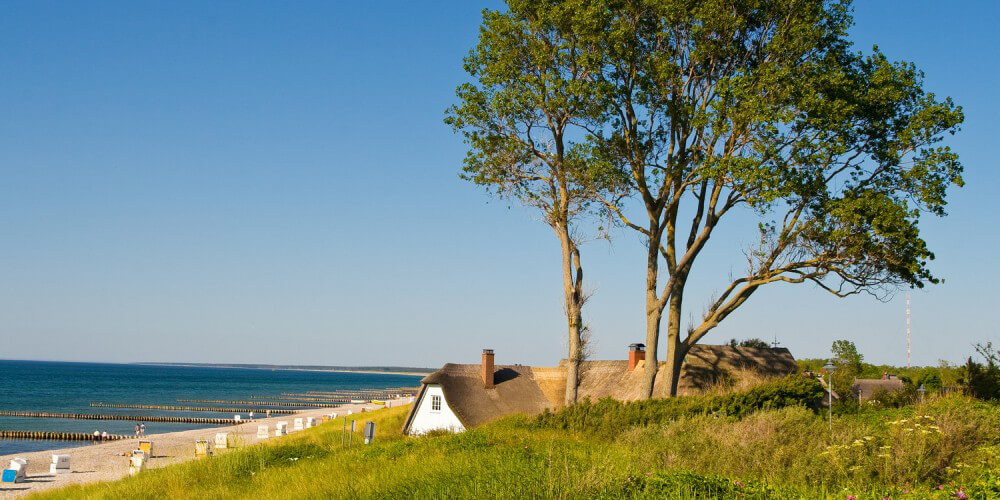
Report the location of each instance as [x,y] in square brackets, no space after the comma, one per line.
[104,462]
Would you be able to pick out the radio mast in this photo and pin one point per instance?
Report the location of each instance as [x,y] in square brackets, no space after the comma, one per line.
[907,329]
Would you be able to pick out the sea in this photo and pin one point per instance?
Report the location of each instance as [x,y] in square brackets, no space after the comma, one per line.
[66,387]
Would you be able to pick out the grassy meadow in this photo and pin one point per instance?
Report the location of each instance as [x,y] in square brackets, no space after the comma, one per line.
[768,441]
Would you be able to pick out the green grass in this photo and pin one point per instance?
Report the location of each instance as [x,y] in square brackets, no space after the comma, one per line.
[782,452]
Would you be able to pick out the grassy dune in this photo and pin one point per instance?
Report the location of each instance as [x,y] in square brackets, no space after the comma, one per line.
[777,451]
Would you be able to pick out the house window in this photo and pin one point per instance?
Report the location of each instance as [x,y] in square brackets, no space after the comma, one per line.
[435,403]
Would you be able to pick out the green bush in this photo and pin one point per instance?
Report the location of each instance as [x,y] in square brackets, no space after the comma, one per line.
[684,484]
[893,399]
[609,416]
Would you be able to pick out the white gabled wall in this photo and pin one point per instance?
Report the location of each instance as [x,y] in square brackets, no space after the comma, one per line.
[426,420]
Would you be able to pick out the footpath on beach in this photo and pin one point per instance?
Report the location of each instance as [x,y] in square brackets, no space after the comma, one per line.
[109,461]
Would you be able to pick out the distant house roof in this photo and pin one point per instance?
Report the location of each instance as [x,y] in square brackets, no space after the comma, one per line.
[865,388]
[530,390]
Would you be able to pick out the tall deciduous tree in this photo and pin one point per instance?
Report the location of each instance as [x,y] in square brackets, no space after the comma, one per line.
[762,105]
[849,365]
[532,88]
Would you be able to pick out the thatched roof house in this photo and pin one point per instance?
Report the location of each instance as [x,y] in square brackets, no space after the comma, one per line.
[459,396]
[865,388]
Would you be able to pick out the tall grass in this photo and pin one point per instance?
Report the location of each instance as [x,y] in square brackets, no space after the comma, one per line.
[783,452]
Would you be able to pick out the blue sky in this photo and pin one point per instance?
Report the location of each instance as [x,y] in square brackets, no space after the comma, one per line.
[255,182]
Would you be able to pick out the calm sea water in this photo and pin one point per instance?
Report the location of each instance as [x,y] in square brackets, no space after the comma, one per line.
[71,387]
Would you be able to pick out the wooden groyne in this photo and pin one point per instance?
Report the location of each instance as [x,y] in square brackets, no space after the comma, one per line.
[60,436]
[289,399]
[356,391]
[387,392]
[257,403]
[218,409]
[133,418]
[350,395]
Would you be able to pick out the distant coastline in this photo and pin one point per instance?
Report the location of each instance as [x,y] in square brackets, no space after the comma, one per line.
[376,370]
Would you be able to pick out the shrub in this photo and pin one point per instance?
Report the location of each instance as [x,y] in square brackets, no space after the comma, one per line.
[754,342]
[983,381]
[609,416]
[930,378]
[893,399]
[684,484]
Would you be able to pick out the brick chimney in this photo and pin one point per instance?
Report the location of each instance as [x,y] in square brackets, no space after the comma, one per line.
[636,353]
[488,368]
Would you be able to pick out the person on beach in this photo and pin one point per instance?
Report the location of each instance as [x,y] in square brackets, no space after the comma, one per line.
[136,430]
[142,429]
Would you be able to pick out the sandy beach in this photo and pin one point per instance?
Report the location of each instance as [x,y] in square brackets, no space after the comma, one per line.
[105,462]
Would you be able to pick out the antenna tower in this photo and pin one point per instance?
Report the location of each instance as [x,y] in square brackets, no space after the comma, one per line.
[907,330]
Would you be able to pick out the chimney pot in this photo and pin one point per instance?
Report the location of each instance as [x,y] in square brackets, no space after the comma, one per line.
[487,368]
[636,353]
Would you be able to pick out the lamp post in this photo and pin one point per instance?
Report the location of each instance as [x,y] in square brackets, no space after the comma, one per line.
[829,389]
[922,390]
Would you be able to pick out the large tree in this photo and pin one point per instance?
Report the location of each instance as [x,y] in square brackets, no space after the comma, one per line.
[532,89]
[762,106]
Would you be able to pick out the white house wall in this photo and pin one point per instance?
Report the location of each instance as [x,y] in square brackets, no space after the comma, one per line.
[426,420]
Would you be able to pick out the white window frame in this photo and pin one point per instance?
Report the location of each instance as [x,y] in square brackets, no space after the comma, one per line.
[435,403]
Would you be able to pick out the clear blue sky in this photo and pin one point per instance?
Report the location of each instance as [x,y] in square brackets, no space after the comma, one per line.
[255,182]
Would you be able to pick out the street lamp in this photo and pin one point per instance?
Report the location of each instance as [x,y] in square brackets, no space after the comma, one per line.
[922,390]
[829,389]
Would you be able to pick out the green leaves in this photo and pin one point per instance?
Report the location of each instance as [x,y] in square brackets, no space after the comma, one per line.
[532,90]
[700,107]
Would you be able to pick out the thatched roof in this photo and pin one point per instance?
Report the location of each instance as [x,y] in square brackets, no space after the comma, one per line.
[515,391]
[865,388]
[704,366]
[530,390]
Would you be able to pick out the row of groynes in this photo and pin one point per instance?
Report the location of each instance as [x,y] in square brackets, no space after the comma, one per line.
[254,403]
[371,389]
[386,392]
[59,436]
[353,393]
[264,400]
[218,409]
[368,395]
[134,418]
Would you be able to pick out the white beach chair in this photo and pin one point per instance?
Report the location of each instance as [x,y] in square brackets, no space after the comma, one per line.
[59,465]
[262,432]
[297,424]
[281,429]
[20,465]
[136,462]
[310,422]
[202,449]
[222,440]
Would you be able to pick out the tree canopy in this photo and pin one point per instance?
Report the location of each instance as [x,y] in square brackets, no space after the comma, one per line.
[667,116]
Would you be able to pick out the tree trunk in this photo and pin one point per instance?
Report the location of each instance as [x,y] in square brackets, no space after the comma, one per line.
[573,364]
[652,337]
[572,284]
[654,312]
[675,348]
